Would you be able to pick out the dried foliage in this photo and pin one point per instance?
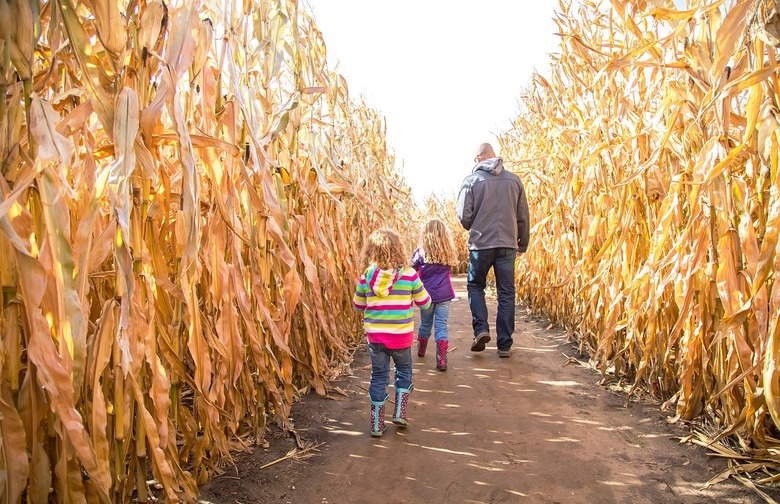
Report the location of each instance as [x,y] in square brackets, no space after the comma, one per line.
[185,189]
[650,157]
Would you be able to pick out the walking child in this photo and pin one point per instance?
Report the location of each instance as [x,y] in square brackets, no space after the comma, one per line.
[433,261]
[386,294]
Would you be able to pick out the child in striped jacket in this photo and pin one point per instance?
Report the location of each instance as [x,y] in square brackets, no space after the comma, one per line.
[386,294]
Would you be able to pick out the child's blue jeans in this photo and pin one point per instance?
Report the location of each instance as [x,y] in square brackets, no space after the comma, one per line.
[380,369]
[436,319]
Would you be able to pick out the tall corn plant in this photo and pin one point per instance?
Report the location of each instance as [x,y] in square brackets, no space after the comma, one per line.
[184,186]
[650,155]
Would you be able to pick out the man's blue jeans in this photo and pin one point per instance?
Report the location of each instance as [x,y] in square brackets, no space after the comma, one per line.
[436,319]
[380,369]
[502,260]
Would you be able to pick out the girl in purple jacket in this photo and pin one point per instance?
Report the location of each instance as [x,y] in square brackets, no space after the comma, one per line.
[433,260]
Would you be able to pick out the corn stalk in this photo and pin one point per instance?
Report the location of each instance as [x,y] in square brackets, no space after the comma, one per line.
[650,156]
[184,190]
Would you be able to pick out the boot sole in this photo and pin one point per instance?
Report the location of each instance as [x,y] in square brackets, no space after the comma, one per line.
[480,342]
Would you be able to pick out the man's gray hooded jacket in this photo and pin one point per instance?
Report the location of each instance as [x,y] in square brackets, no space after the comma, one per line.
[493,208]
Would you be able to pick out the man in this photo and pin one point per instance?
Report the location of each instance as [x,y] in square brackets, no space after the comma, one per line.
[492,206]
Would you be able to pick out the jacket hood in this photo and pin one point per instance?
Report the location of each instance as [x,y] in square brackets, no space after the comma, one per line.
[381,281]
[493,166]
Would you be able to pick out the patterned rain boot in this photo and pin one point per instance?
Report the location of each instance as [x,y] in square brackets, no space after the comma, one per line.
[378,426]
[441,355]
[401,401]
[422,344]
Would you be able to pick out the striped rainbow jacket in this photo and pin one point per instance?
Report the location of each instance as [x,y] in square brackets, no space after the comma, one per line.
[387,299]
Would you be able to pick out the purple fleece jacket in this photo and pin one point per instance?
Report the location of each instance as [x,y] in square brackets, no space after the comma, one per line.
[435,277]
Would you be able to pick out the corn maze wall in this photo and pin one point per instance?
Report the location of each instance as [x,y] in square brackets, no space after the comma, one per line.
[185,183]
[650,156]
[185,187]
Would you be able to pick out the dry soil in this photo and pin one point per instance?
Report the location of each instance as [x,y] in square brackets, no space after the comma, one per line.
[530,428]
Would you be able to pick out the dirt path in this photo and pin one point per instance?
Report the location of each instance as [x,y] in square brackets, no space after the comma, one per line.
[488,430]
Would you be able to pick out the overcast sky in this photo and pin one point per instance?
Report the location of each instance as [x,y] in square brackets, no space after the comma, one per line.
[445,74]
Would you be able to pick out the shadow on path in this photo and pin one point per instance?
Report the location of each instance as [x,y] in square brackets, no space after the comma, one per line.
[488,430]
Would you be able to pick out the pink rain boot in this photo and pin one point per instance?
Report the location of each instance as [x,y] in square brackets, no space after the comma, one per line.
[422,345]
[441,355]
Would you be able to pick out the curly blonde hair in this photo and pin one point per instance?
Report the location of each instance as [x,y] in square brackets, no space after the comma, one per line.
[436,244]
[384,249]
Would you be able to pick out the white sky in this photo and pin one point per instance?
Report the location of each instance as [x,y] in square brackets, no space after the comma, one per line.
[446,75]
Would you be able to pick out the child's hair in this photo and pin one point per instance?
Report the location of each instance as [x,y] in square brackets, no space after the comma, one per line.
[384,249]
[436,244]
